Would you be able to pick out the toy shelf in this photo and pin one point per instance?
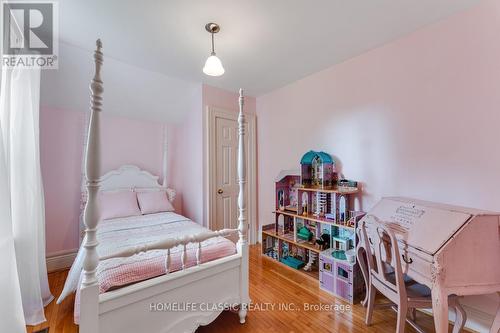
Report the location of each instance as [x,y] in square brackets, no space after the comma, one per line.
[310,274]
[289,238]
[313,218]
[338,190]
[279,239]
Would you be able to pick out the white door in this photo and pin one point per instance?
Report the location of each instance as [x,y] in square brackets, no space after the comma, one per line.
[222,160]
[226,154]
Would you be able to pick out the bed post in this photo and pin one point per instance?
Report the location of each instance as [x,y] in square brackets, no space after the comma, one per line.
[242,218]
[89,297]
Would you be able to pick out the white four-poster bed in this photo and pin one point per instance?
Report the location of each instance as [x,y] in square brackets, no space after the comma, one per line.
[223,281]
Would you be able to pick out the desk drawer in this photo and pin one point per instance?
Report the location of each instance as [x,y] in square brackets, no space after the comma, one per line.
[416,265]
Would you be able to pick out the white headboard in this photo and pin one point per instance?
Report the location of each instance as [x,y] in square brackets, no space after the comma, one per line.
[123,178]
[132,177]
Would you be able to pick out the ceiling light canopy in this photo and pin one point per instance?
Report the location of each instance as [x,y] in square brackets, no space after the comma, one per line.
[213,65]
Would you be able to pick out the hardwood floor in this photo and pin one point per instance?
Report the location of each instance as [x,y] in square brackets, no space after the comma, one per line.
[271,284]
[59,316]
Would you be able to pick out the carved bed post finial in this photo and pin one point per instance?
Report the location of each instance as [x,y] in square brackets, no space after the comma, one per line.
[93,172]
[242,216]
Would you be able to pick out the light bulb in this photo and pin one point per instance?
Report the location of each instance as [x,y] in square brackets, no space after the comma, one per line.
[213,66]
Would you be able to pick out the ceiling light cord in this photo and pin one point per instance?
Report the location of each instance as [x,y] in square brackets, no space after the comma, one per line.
[213,48]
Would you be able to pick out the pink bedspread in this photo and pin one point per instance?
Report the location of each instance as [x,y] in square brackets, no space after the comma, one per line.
[116,234]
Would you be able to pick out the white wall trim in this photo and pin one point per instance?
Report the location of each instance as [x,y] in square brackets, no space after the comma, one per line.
[209,150]
[480,309]
[60,260]
[477,320]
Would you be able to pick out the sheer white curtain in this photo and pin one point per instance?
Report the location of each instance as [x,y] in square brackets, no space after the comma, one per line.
[22,225]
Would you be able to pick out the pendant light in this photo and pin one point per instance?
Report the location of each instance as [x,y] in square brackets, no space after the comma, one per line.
[213,66]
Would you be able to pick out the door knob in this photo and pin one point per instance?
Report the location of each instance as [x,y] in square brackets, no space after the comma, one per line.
[220,191]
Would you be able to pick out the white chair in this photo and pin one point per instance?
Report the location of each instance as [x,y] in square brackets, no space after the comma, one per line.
[386,276]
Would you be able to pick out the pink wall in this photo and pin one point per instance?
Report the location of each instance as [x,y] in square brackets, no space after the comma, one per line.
[188,174]
[61,140]
[226,99]
[125,141]
[418,117]
[185,146]
[129,141]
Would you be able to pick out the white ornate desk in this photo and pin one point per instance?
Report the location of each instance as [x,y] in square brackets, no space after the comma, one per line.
[452,250]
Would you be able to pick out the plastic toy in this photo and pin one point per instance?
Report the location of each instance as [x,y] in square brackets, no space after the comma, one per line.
[304,234]
[293,262]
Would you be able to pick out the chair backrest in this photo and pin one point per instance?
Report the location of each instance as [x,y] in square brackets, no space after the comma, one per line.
[386,269]
[364,244]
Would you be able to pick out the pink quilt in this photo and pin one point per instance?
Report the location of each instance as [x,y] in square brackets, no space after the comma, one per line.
[116,234]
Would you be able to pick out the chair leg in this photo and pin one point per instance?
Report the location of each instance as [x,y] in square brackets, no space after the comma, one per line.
[370,304]
[413,314]
[362,260]
[402,313]
[461,317]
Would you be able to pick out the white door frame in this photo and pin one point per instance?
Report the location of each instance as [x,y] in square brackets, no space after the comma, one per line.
[210,173]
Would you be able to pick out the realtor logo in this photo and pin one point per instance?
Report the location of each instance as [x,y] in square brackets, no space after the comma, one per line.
[30,34]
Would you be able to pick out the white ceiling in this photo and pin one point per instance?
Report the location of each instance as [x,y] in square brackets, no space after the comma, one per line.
[263,44]
[129,91]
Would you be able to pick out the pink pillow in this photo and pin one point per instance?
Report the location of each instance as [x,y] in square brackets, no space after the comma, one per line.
[118,204]
[154,202]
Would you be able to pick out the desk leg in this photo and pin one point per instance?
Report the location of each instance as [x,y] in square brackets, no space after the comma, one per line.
[440,309]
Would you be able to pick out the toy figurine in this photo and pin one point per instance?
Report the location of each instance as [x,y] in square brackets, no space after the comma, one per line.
[305,204]
[284,250]
[281,200]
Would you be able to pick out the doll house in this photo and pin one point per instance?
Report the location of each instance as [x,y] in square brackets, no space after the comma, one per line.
[318,170]
[314,220]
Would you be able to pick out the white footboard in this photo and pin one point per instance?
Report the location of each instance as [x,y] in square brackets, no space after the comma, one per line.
[177,301]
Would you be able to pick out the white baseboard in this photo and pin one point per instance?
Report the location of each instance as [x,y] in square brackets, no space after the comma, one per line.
[480,311]
[61,260]
[477,320]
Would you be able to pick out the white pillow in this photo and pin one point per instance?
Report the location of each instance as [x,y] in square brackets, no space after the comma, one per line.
[154,202]
[118,204]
